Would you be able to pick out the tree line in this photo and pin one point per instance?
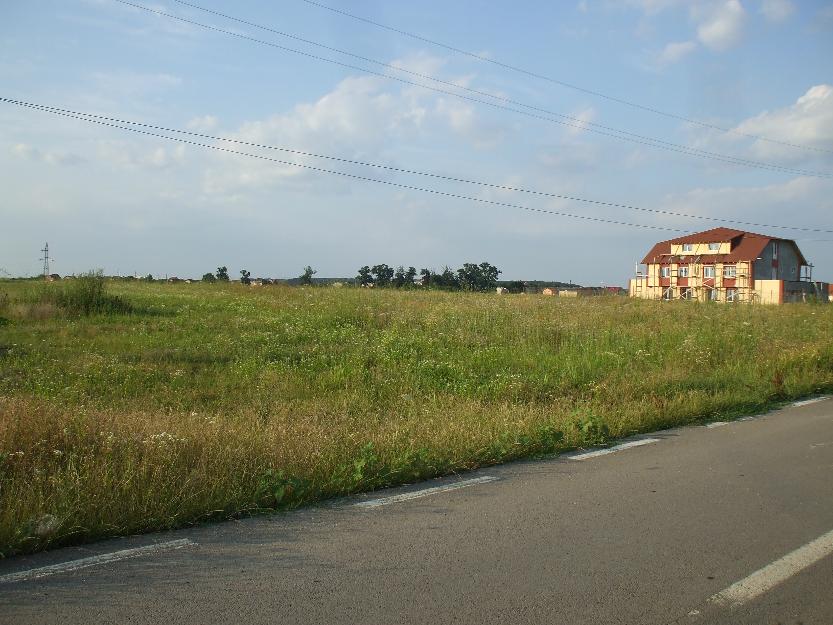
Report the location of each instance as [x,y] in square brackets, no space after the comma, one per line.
[469,277]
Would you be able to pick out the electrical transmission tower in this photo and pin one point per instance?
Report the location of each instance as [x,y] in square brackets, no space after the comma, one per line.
[45,259]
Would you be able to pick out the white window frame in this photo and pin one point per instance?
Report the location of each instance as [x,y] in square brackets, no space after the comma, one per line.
[730,271]
[708,271]
[665,272]
[713,247]
[731,295]
[688,247]
[712,295]
[683,271]
[685,292]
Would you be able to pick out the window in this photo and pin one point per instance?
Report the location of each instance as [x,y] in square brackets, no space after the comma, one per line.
[730,271]
[775,250]
[685,293]
[708,271]
[731,295]
[713,247]
[665,272]
[668,293]
[713,295]
[688,247]
[682,272]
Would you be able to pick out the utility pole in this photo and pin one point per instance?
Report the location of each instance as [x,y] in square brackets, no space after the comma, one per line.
[46,259]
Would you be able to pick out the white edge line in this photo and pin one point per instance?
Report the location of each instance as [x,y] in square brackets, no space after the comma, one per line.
[104,558]
[615,448]
[382,501]
[773,574]
[807,402]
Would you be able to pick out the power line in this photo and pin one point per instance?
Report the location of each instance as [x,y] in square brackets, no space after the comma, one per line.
[356,176]
[568,85]
[564,120]
[445,177]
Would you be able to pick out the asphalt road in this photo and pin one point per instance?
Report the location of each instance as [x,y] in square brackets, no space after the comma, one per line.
[649,534]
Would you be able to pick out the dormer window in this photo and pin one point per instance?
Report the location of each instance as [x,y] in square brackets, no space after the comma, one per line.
[688,247]
[713,247]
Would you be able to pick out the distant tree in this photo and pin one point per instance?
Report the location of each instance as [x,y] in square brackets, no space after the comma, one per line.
[516,286]
[488,276]
[209,277]
[399,277]
[245,277]
[149,278]
[222,274]
[425,277]
[365,277]
[482,277]
[446,279]
[382,275]
[410,276]
[306,277]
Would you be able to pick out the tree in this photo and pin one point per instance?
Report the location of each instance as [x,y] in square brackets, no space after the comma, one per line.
[149,278]
[446,279]
[382,275]
[245,277]
[364,278]
[410,276]
[399,277]
[222,274]
[209,277]
[425,277]
[482,277]
[306,277]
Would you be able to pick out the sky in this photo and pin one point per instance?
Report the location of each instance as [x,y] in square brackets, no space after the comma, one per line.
[129,203]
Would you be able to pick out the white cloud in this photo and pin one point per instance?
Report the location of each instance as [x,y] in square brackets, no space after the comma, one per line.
[799,202]
[584,118]
[720,25]
[131,155]
[807,122]
[361,116]
[777,10]
[204,122]
[50,157]
[675,51]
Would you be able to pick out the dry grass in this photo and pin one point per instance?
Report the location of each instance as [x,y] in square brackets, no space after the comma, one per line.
[223,401]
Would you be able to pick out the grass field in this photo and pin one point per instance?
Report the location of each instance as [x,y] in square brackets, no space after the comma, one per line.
[176,404]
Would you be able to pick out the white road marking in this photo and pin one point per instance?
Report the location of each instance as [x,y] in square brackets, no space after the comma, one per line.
[716,424]
[383,501]
[807,402]
[104,558]
[615,448]
[773,574]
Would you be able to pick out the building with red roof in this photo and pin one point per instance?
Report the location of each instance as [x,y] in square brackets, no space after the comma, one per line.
[726,265]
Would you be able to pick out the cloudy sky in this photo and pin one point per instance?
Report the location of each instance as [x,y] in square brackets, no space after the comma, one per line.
[107,198]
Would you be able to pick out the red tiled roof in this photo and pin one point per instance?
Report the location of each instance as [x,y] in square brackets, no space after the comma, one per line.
[745,246]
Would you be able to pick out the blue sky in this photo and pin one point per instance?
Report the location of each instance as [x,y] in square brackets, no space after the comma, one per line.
[110,199]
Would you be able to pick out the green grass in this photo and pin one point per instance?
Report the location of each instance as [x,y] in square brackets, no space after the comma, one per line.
[197,402]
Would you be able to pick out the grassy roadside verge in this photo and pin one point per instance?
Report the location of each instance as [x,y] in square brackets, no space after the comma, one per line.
[205,402]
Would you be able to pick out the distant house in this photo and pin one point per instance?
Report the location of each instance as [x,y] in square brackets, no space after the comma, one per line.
[726,265]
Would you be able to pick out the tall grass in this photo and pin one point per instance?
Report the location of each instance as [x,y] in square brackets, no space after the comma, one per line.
[224,401]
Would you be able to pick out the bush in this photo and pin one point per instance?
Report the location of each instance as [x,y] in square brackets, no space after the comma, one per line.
[88,295]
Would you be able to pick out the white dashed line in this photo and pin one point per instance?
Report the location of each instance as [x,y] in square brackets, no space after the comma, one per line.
[807,402]
[104,558]
[773,574]
[615,448]
[383,501]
